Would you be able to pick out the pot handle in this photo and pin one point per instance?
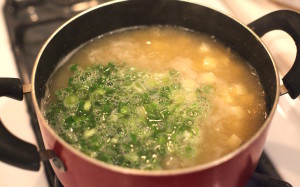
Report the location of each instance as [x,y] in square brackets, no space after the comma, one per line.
[13,150]
[11,87]
[287,21]
[17,152]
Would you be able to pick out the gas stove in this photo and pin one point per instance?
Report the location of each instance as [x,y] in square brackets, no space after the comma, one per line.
[29,23]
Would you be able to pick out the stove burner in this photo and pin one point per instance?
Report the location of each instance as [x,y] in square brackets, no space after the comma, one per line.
[31,22]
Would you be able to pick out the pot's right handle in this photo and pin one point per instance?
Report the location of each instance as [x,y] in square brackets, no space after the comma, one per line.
[289,22]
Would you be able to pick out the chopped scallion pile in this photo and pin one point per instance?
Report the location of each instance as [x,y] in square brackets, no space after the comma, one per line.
[129,117]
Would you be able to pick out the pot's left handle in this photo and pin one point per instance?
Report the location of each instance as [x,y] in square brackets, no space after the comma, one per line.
[17,152]
[11,87]
[13,150]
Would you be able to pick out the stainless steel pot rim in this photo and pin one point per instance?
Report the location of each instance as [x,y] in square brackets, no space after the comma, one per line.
[153,173]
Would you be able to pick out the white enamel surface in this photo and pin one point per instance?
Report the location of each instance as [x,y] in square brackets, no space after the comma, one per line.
[283,142]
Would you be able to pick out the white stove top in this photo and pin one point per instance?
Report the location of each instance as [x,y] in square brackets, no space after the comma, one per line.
[283,143]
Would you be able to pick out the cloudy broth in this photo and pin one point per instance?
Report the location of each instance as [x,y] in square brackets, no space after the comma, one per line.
[229,84]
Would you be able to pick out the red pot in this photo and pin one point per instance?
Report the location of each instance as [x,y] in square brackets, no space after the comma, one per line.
[73,168]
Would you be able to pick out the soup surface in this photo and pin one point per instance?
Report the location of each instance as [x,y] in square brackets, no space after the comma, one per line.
[155,98]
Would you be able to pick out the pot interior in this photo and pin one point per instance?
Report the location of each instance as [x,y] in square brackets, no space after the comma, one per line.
[122,14]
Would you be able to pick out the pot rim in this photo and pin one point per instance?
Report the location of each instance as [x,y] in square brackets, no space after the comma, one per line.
[138,172]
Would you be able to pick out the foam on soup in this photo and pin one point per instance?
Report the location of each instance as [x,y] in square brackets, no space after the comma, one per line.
[156,97]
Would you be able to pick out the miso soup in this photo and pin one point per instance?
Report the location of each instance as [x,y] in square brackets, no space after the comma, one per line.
[155,98]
